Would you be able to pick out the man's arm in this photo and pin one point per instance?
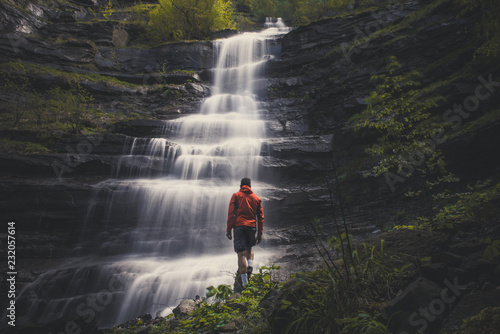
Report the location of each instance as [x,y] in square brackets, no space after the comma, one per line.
[260,222]
[231,217]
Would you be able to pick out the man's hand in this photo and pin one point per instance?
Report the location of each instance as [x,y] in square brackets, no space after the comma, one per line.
[228,235]
[259,238]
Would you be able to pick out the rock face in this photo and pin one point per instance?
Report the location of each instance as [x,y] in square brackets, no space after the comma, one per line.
[320,81]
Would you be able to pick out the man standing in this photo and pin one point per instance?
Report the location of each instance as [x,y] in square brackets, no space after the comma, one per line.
[245,215]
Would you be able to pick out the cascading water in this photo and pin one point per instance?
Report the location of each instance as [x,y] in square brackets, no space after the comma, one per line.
[177,190]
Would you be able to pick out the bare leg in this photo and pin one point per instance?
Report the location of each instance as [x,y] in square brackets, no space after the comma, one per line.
[249,254]
[242,262]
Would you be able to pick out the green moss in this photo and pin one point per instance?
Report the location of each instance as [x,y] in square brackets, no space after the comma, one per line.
[398,26]
[70,76]
[487,321]
[486,119]
[9,146]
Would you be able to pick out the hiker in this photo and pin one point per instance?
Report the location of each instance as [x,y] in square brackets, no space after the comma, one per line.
[245,216]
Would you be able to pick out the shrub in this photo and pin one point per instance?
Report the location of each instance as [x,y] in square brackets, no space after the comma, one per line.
[188,19]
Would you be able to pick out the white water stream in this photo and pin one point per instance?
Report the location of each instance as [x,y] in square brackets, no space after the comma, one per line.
[179,246]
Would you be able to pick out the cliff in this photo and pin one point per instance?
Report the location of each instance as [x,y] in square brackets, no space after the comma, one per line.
[320,81]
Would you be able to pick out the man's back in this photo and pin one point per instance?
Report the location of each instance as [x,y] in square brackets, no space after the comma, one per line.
[246,207]
[245,212]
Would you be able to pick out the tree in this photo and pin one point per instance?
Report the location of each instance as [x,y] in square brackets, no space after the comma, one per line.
[265,8]
[189,19]
[398,111]
[19,93]
[305,11]
[408,138]
[73,106]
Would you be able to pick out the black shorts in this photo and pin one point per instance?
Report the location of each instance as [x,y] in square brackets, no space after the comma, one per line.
[244,238]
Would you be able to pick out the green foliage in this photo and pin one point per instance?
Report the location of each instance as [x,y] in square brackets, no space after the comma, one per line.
[244,23]
[140,13]
[49,115]
[397,110]
[363,323]
[478,202]
[107,10]
[12,67]
[19,93]
[305,11]
[487,321]
[221,293]
[210,317]
[261,283]
[188,19]
[73,106]
[343,302]
[488,28]
[265,8]
[492,251]
[14,146]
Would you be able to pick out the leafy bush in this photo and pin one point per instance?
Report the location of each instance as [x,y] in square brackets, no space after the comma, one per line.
[188,19]
[212,316]
[492,251]
[362,324]
[308,11]
[396,110]
[488,28]
[487,321]
[477,203]
[344,300]
[7,145]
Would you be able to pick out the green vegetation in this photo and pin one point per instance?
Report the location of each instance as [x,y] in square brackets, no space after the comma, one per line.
[487,321]
[304,12]
[492,251]
[347,301]
[30,69]
[488,28]
[14,146]
[324,299]
[344,295]
[60,110]
[397,110]
[242,310]
[189,19]
[477,203]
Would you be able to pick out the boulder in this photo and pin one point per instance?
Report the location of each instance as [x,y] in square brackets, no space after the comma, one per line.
[185,307]
[422,306]
[469,306]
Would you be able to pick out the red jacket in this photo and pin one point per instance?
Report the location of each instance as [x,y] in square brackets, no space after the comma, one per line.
[245,209]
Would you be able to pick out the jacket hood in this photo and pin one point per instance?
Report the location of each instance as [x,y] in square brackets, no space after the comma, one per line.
[246,189]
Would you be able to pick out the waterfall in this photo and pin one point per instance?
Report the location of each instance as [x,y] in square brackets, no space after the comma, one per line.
[177,192]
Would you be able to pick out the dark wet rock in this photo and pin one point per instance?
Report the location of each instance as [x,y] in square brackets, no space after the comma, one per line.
[64,325]
[223,33]
[313,89]
[421,306]
[469,306]
[139,127]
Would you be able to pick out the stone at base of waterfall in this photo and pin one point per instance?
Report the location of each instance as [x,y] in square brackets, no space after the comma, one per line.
[228,327]
[185,307]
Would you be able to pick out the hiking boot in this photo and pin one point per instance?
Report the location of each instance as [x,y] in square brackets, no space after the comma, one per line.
[238,286]
[249,272]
